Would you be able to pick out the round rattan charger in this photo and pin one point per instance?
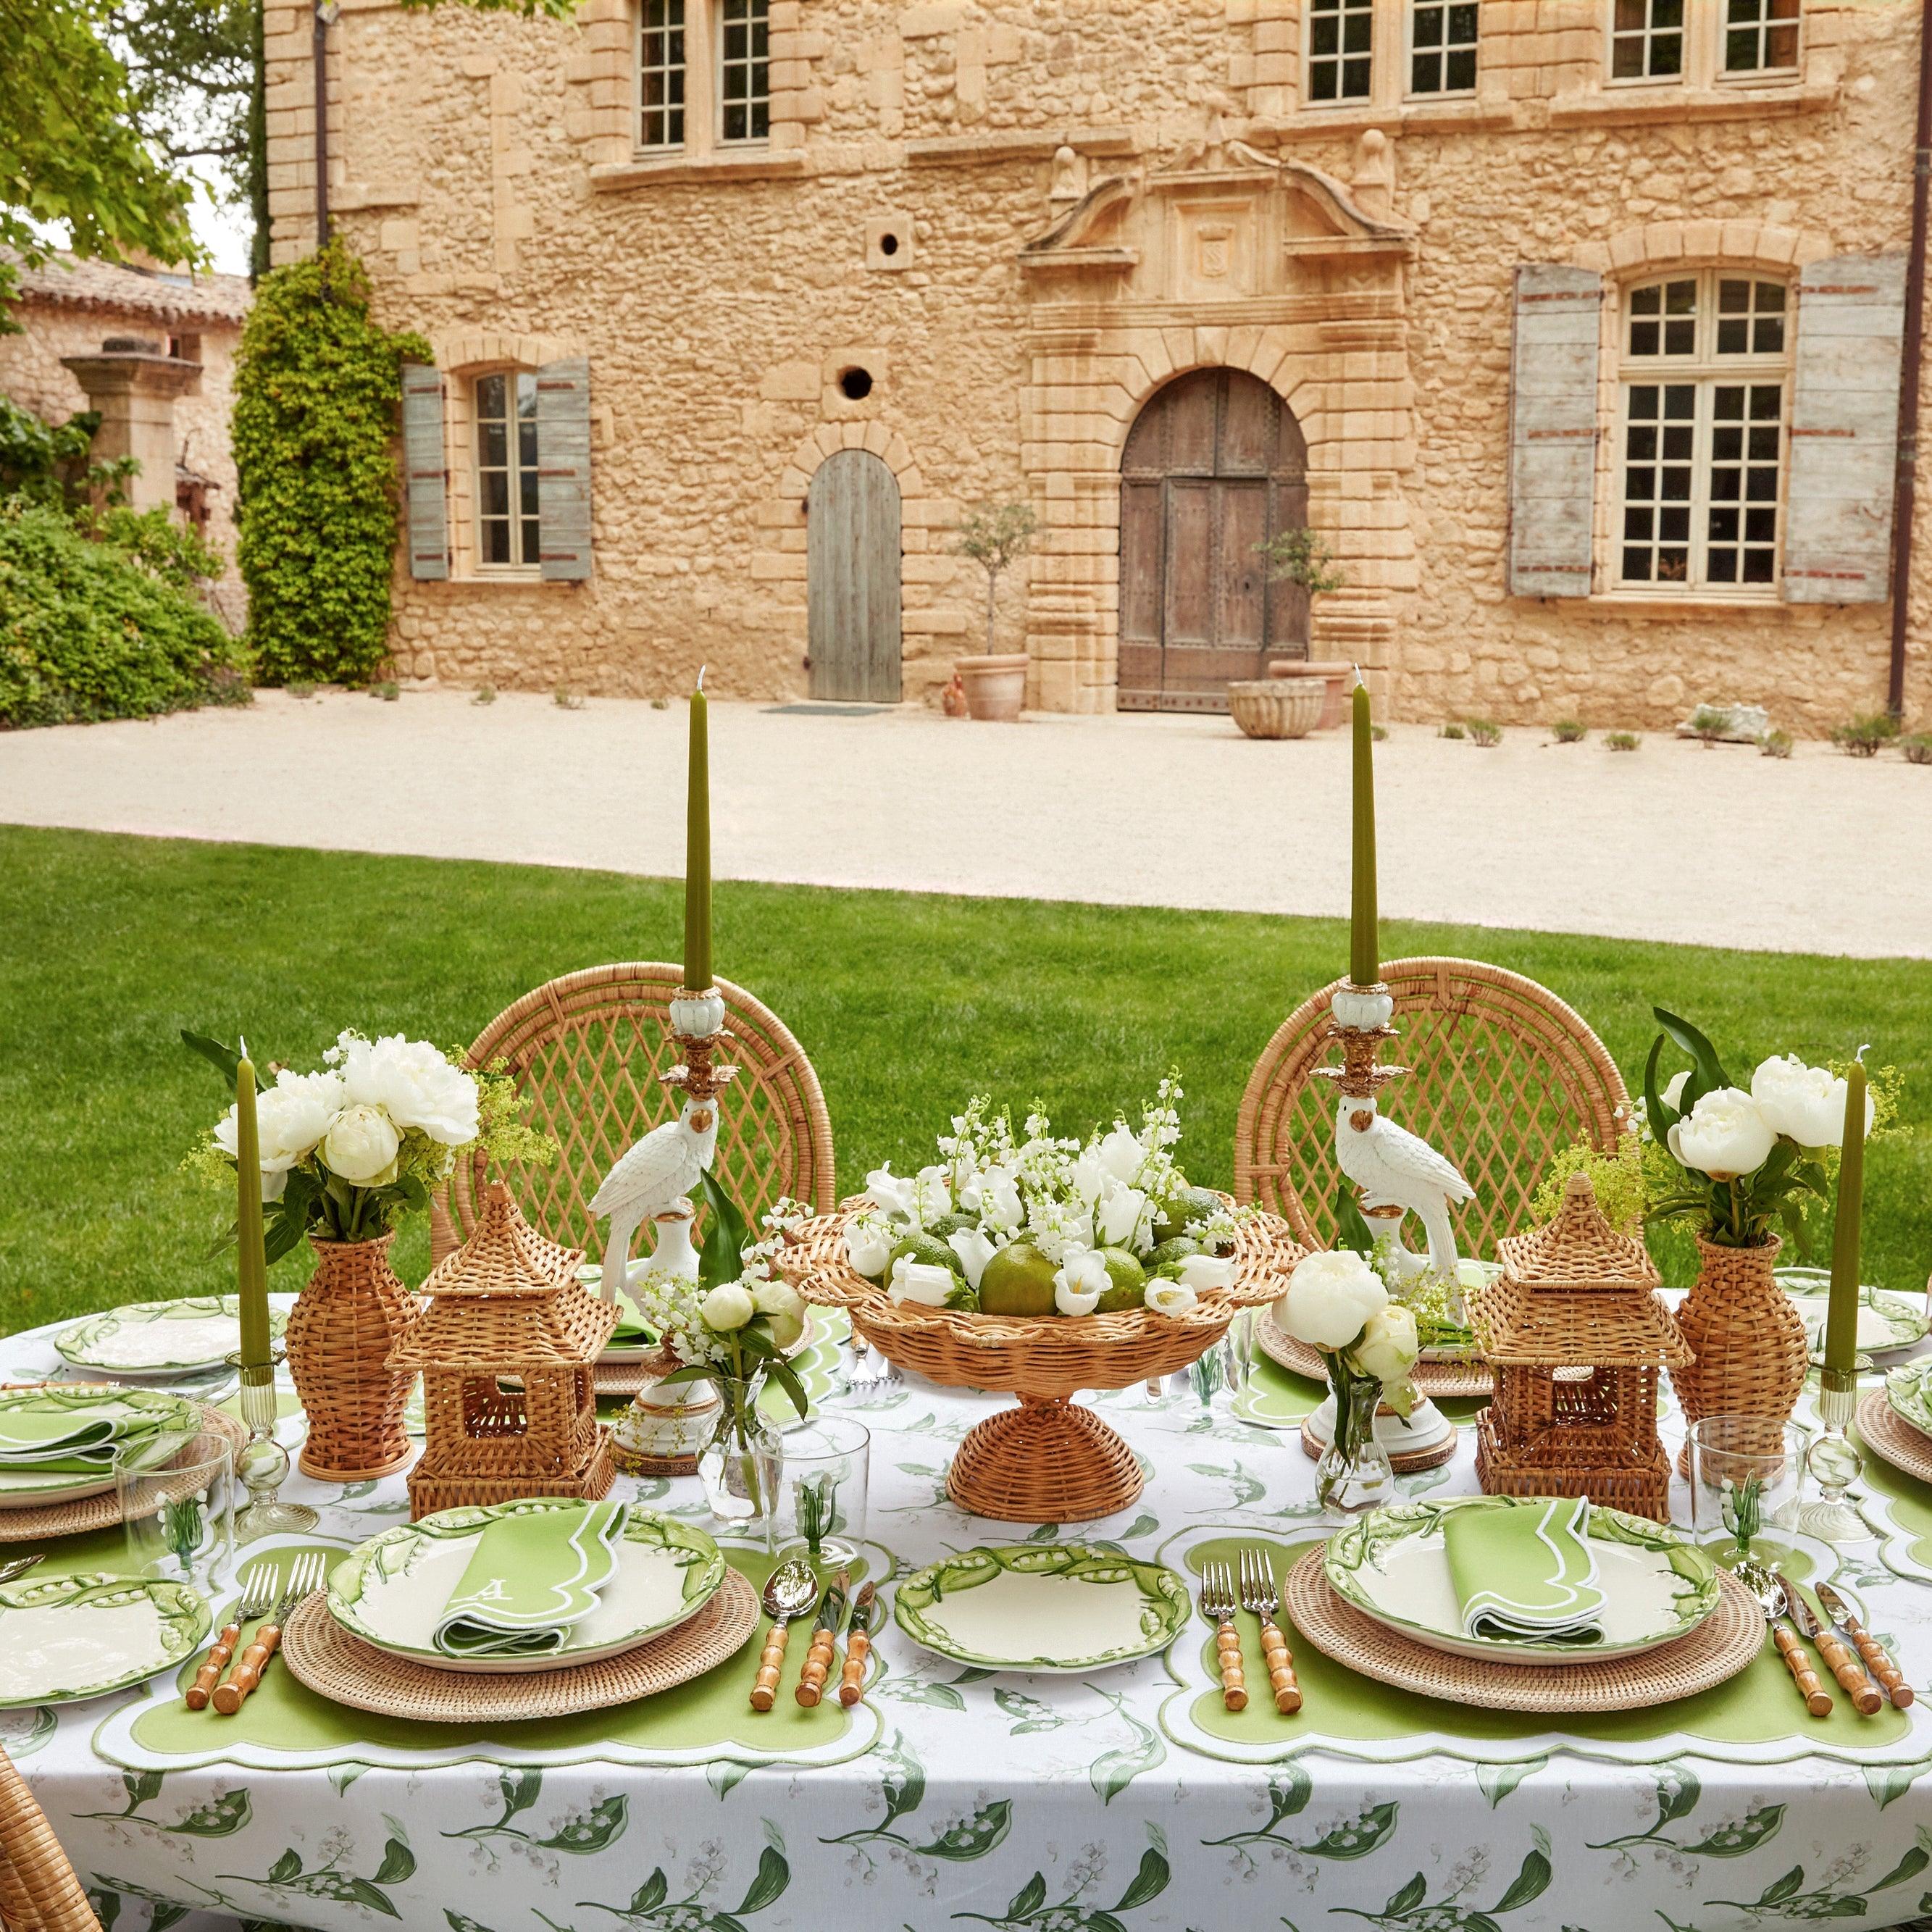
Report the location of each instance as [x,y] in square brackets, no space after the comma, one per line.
[1436,1380]
[1891,1438]
[346,1670]
[1403,1462]
[1717,1649]
[102,1511]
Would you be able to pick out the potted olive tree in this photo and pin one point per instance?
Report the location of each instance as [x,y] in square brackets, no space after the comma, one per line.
[995,536]
[1298,695]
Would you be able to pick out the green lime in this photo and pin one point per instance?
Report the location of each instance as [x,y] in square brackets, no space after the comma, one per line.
[1191,1204]
[920,1246]
[1126,1281]
[952,1224]
[1159,1258]
[1017,1280]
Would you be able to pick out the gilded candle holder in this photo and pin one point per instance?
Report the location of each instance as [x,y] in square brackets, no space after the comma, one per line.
[262,1464]
[1833,1462]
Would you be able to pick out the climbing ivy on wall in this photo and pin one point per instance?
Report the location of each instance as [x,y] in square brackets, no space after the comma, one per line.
[316,393]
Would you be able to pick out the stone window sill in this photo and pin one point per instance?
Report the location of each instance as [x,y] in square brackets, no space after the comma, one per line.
[1637,104]
[758,164]
[1644,607]
[1457,114]
[498,579]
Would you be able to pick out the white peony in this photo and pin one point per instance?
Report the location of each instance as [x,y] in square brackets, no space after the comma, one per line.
[1000,1204]
[1724,1135]
[1122,1156]
[925,1282]
[777,1298]
[1204,1274]
[1329,1296]
[727,1306]
[1389,1345]
[1118,1213]
[413,1082]
[362,1145]
[974,1251]
[1079,1282]
[1170,1297]
[894,1195]
[869,1245]
[1805,1103]
[291,1117]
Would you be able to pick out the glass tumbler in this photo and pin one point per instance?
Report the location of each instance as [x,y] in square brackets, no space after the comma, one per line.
[1747,1475]
[823,1485]
[178,1517]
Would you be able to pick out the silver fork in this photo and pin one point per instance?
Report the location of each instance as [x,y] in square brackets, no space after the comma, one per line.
[258,1586]
[306,1574]
[1260,1597]
[871,1371]
[1217,1605]
[14,1568]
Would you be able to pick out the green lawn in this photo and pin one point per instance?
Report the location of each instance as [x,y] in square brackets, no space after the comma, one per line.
[906,1003]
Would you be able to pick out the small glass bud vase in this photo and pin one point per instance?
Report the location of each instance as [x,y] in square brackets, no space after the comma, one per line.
[1355,1474]
[739,1466]
[1833,1462]
[262,1464]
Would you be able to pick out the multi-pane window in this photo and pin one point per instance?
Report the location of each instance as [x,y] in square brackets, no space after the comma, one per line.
[506,468]
[660,72]
[1442,47]
[744,70]
[1760,35]
[1647,39]
[1340,50]
[1703,367]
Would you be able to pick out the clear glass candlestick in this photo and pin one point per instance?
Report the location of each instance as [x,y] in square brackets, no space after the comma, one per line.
[262,1464]
[1834,1463]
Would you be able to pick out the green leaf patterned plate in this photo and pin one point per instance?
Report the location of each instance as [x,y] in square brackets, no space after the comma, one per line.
[1887,1322]
[186,1337]
[1065,1606]
[391,1591]
[1908,1389]
[1392,1565]
[65,1638]
[179,1418]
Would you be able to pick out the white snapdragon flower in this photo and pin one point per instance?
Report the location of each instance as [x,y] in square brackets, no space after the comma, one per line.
[362,1146]
[1203,1274]
[1724,1135]
[869,1245]
[1170,1297]
[1805,1103]
[1079,1282]
[1331,1295]
[974,1251]
[925,1282]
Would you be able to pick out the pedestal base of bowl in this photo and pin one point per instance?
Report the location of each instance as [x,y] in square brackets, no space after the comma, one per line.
[1047,1461]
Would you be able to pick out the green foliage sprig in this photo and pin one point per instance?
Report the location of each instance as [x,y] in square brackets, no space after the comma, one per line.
[1300,556]
[1618,1180]
[315,392]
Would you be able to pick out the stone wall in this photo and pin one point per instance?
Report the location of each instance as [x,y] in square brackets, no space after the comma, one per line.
[481,165]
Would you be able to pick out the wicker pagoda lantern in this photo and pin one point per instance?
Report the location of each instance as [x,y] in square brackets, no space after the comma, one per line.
[506,1350]
[1577,1336]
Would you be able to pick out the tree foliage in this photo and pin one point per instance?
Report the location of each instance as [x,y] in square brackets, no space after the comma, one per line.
[315,391]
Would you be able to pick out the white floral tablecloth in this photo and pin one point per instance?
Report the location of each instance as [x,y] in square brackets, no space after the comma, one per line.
[1112,1803]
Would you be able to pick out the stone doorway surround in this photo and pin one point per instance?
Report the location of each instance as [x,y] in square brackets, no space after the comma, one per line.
[1226,258]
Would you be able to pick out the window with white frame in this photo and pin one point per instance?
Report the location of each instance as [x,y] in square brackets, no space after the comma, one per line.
[744,70]
[1702,444]
[1647,39]
[1341,49]
[506,470]
[1760,36]
[660,73]
[1442,47]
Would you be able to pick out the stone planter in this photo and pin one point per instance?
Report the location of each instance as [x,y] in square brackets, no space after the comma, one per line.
[1276,707]
[995,685]
[1336,677]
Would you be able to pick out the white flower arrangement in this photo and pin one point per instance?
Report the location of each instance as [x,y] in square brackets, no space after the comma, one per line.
[1338,1304]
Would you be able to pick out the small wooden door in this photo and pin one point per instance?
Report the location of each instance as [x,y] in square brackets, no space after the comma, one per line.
[1215,464]
[852,578]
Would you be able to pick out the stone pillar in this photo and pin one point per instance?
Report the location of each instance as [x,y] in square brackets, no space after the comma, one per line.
[133,383]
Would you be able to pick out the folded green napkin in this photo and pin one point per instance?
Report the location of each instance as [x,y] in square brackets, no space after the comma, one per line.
[58,1434]
[1524,1572]
[533,1574]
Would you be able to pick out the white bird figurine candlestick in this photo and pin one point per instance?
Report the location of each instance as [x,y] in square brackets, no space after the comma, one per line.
[652,1178]
[1394,1168]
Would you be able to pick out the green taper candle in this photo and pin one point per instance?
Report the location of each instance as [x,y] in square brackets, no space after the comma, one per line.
[1841,1314]
[698,847]
[251,1259]
[1364,962]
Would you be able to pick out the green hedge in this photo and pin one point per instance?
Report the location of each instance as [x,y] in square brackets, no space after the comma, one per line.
[86,632]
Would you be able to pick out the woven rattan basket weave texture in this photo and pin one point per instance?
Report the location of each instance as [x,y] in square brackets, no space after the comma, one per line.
[1716,1651]
[351,1312]
[1752,1352]
[1891,1438]
[1438,1381]
[1502,1076]
[343,1668]
[587,1049]
[38,1890]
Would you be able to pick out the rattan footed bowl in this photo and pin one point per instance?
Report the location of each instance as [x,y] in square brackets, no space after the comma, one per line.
[1049,1460]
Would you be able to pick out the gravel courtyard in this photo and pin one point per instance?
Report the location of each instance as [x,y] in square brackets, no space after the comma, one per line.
[1821,852]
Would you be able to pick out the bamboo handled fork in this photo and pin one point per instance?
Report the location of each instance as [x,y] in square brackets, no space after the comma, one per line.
[305,1575]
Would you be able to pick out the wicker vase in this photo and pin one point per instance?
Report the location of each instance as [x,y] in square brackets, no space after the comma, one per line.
[1748,1338]
[352,1313]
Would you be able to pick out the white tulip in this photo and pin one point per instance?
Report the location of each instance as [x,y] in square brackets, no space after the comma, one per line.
[1389,1345]
[1329,1296]
[974,1251]
[1079,1282]
[1673,1087]
[893,1195]
[1805,1103]
[869,1245]
[1724,1135]
[1170,1297]
[1087,1175]
[999,1204]
[1122,1155]
[727,1306]
[925,1282]
[1206,1273]
[931,1195]
[414,1083]
[1119,1212]
[361,1146]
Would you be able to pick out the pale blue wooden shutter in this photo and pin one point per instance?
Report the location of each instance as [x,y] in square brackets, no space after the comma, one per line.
[1844,430]
[425,479]
[1553,429]
[563,467]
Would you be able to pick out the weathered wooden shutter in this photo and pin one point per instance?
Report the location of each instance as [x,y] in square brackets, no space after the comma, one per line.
[563,467]
[1844,430]
[1553,429]
[426,480]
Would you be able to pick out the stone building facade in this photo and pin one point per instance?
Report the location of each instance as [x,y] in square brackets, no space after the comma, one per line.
[154,352]
[1571,327]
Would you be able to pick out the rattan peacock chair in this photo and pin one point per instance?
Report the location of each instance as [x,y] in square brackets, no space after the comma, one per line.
[588,1049]
[38,1890]
[1502,1076]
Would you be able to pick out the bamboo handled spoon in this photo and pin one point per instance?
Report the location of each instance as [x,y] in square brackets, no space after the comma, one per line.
[790,1590]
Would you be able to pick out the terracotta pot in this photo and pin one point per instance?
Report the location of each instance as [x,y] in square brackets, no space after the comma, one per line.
[995,685]
[1749,1338]
[1276,707]
[1337,678]
[352,1313]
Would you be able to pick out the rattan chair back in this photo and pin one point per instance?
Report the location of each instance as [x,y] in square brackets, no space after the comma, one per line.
[38,1890]
[1502,1076]
[587,1049]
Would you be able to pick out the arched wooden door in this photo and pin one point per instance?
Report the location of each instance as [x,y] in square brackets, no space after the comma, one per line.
[852,578]
[1215,464]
